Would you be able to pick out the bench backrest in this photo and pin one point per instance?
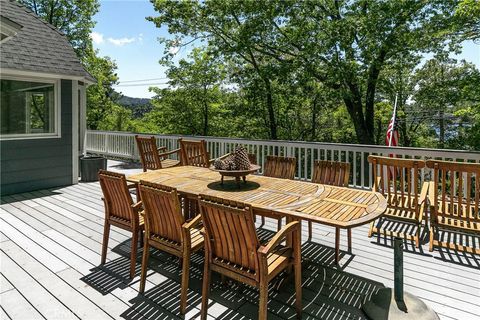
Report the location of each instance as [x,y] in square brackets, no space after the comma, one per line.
[456,189]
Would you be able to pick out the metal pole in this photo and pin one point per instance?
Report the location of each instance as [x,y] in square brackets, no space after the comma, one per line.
[398,268]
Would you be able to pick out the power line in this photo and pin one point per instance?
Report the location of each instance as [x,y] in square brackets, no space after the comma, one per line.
[140,84]
[141,80]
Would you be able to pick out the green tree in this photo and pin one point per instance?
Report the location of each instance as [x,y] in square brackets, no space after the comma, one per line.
[342,44]
[100,95]
[200,77]
[446,97]
[73,17]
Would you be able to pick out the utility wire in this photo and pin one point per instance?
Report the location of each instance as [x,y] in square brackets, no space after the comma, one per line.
[141,80]
[140,84]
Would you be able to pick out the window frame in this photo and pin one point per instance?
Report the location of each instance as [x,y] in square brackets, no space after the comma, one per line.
[56,105]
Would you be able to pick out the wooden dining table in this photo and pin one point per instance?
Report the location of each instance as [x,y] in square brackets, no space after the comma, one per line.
[298,200]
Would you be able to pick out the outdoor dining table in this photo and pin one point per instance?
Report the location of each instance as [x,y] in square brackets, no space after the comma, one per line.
[273,197]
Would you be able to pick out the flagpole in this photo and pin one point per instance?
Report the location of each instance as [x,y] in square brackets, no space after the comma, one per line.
[394,117]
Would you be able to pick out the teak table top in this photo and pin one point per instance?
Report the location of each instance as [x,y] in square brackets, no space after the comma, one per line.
[335,206]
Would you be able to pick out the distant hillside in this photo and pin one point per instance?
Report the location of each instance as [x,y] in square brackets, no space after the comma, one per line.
[139,106]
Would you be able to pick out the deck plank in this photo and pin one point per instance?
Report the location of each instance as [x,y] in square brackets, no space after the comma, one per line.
[17,307]
[80,305]
[65,225]
[39,297]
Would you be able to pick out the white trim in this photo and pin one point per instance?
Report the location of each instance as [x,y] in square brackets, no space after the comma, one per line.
[56,104]
[75,107]
[83,116]
[36,74]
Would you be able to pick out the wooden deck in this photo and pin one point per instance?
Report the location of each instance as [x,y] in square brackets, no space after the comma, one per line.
[50,255]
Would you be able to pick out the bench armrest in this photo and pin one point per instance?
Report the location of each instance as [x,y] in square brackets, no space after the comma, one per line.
[278,237]
[164,154]
[192,223]
[137,207]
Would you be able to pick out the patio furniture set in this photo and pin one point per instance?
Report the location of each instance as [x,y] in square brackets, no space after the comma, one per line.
[182,208]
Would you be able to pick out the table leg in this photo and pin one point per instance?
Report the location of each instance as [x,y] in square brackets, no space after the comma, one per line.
[337,244]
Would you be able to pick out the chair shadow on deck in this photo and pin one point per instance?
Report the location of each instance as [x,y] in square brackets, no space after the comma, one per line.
[458,257]
[328,291]
[410,229]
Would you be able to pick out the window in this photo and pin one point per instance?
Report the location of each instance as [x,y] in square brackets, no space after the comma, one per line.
[8,28]
[28,108]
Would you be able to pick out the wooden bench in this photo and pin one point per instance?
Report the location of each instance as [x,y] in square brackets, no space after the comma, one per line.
[398,180]
[454,203]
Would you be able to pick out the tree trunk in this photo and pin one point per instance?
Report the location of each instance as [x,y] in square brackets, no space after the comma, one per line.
[364,134]
[314,118]
[271,111]
[441,142]
[205,112]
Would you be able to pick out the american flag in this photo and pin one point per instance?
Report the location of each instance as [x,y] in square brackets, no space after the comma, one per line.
[391,140]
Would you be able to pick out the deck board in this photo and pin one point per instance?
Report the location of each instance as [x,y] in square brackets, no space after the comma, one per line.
[54,236]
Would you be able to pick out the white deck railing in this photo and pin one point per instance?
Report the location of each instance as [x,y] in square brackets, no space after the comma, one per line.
[122,145]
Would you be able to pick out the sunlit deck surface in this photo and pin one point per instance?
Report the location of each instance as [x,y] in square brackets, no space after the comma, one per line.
[51,242]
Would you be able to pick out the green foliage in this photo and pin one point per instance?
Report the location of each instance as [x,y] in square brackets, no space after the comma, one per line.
[100,95]
[343,44]
[72,17]
[75,19]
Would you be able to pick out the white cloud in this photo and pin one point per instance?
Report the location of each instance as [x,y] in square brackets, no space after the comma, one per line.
[121,41]
[97,38]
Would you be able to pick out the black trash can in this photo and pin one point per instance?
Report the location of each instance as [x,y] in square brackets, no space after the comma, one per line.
[89,166]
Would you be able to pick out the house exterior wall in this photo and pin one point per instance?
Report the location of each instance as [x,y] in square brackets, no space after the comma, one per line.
[32,164]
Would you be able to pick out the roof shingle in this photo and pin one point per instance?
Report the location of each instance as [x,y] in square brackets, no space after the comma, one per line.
[37,46]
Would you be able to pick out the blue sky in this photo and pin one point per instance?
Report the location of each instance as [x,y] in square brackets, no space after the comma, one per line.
[123,34]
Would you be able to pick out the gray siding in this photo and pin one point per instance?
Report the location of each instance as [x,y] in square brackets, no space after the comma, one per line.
[34,164]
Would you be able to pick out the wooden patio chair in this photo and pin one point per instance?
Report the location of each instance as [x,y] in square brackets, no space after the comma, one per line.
[166,230]
[232,249]
[279,167]
[120,212]
[335,174]
[194,153]
[399,180]
[454,197]
[154,158]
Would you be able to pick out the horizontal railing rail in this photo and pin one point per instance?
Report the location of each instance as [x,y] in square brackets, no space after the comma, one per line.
[117,144]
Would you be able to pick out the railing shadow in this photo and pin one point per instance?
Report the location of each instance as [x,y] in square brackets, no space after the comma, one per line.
[29,196]
[328,291]
[458,257]
[406,228]
[114,274]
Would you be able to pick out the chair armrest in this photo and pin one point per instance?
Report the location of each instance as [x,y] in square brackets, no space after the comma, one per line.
[424,192]
[164,154]
[137,207]
[423,200]
[192,223]
[162,149]
[131,185]
[278,237]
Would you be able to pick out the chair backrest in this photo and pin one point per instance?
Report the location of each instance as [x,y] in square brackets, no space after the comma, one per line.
[163,215]
[147,149]
[456,189]
[331,172]
[194,153]
[399,180]
[230,233]
[280,167]
[117,198]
